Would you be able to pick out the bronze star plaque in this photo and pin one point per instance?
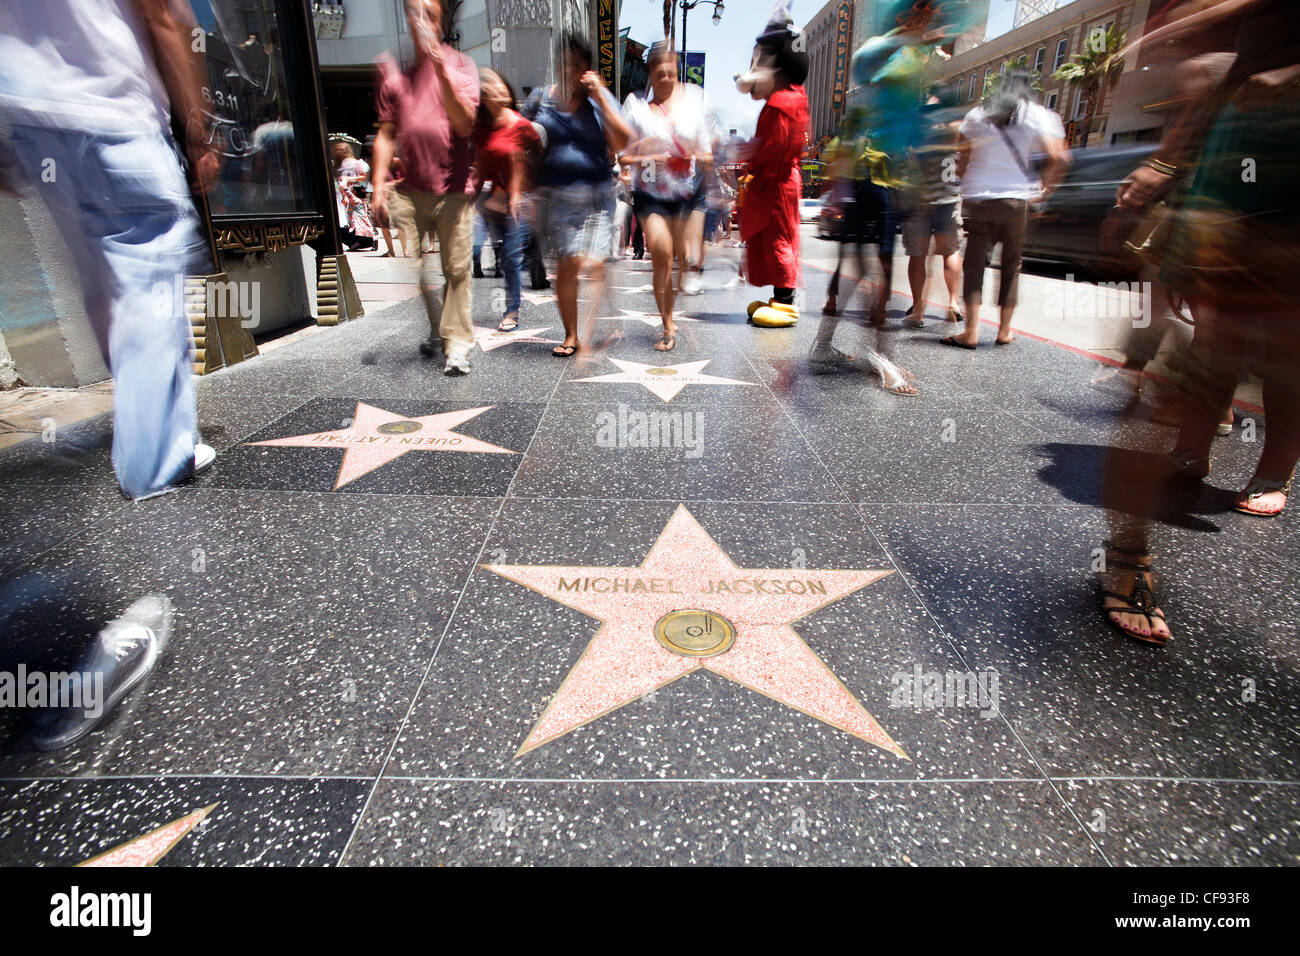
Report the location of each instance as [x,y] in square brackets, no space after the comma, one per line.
[399,428]
[693,633]
[661,371]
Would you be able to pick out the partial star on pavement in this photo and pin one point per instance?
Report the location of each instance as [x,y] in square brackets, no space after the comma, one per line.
[648,287]
[377,436]
[664,380]
[148,849]
[543,297]
[688,607]
[648,318]
[489,339]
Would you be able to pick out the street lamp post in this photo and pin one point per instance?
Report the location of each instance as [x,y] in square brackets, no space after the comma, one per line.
[687,7]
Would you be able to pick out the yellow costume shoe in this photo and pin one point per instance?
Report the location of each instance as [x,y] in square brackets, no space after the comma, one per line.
[774,315]
[754,307]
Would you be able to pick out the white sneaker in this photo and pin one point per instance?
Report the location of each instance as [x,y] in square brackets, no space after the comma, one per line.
[692,284]
[204,456]
[456,365]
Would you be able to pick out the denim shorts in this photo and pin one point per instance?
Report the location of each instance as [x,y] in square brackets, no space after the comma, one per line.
[940,220]
[576,220]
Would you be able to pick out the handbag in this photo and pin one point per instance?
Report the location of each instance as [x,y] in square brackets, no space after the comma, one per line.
[1150,237]
[498,201]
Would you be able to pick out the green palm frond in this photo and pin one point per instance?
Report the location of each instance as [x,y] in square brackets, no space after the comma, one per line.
[1099,65]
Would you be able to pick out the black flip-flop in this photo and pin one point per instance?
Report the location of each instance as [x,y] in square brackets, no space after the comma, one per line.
[564,351]
[950,340]
[508,325]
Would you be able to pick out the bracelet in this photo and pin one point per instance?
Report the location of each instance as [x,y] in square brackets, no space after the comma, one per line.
[1160,167]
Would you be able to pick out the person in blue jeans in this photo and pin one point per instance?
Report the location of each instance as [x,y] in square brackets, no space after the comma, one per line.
[87,92]
[503,139]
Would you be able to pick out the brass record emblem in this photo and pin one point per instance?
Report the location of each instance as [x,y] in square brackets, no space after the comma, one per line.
[661,371]
[399,428]
[693,633]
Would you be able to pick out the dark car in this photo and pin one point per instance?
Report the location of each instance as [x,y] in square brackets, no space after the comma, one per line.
[829,219]
[1069,227]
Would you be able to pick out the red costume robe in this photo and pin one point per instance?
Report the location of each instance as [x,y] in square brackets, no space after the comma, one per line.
[769,219]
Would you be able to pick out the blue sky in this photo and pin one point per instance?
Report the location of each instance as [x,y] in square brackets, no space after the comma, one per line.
[729,44]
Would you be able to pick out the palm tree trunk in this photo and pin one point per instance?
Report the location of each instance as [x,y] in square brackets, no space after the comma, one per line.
[1089,110]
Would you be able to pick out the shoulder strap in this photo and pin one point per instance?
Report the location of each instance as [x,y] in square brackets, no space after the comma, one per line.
[1024,168]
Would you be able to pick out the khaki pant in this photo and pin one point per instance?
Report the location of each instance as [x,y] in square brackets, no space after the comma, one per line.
[451,219]
[401,217]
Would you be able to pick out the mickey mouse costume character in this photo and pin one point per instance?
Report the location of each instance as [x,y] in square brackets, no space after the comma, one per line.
[769,218]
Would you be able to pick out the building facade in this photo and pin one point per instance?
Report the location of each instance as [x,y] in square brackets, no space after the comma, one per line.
[830,43]
[514,37]
[1135,110]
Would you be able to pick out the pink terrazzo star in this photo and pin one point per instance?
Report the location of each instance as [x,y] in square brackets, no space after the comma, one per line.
[664,380]
[376,437]
[686,569]
[489,339]
[148,849]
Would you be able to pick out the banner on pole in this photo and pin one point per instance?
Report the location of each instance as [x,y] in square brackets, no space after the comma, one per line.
[694,71]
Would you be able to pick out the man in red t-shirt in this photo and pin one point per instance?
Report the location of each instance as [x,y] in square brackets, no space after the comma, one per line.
[431,105]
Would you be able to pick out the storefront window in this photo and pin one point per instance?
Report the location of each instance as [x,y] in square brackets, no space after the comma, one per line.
[250,119]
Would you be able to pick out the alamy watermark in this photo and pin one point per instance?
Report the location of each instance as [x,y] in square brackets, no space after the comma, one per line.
[946,690]
[1075,299]
[65,690]
[231,299]
[627,428]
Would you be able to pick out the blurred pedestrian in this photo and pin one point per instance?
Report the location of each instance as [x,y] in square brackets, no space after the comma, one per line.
[88,89]
[580,127]
[432,105]
[1011,153]
[505,140]
[669,146]
[350,177]
[109,173]
[1231,254]
[932,207]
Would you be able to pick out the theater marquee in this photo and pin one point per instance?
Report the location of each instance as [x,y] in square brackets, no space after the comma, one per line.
[843,21]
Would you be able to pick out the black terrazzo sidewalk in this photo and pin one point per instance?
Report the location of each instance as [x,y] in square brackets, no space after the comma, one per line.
[347,683]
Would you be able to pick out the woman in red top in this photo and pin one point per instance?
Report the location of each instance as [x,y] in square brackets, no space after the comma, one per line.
[769,218]
[503,138]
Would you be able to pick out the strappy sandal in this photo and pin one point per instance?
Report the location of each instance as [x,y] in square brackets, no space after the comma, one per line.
[1257,488]
[903,387]
[508,324]
[1140,599]
[666,343]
